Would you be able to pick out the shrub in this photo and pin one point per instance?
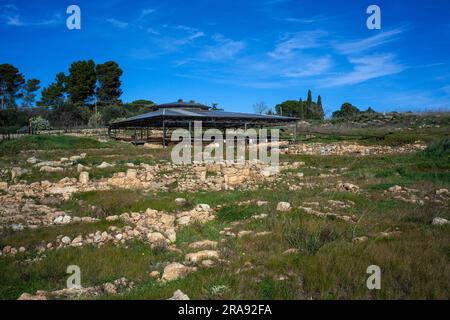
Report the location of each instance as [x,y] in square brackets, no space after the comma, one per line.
[439,148]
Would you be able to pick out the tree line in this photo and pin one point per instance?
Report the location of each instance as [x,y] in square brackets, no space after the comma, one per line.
[87,95]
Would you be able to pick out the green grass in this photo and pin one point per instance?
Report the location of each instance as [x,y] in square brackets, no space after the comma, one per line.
[97,265]
[197,232]
[48,234]
[46,142]
[113,202]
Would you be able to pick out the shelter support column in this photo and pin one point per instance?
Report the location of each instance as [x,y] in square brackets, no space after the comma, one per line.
[164,134]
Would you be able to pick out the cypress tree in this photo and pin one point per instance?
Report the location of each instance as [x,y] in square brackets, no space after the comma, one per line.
[309,110]
[301,111]
[320,112]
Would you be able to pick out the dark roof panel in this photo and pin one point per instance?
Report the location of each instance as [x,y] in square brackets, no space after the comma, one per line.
[213,116]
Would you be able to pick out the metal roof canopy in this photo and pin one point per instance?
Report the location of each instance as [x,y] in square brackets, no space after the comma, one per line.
[178,117]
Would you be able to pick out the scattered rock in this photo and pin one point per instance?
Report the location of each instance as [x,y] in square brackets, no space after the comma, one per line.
[63,219]
[51,169]
[27,296]
[176,271]
[104,165]
[16,172]
[442,191]
[347,187]
[84,177]
[283,206]
[395,189]
[439,221]
[32,160]
[360,239]
[204,244]
[66,240]
[202,255]
[3,186]
[179,295]
[180,201]
[291,251]
[81,168]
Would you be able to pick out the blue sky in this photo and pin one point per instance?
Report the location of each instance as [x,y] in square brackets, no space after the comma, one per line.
[237,53]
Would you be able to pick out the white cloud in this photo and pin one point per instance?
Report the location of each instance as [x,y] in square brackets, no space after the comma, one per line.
[223,49]
[117,23]
[146,12]
[359,46]
[15,21]
[366,68]
[313,68]
[299,41]
[10,16]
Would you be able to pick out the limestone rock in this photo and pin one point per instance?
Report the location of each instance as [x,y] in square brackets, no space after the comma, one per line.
[204,244]
[27,296]
[104,165]
[81,168]
[283,206]
[180,201]
[347,187]
[202,255]
[131,173]
[16,172]
[439,221]
[176,271]
[66,240]
[3,186]
[65,219]
[84,177]
[179,295]
[50,169]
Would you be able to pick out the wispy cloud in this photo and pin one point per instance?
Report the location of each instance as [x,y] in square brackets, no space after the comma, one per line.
[313,68]
[299,41]
[309,20]
[10,15]
[362,45]
[364,69]
[117,23]
[223,48]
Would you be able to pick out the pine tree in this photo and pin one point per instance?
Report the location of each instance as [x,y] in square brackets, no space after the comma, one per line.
[53,95]
[108,76]
[30,88]
[11,83]
[81,81]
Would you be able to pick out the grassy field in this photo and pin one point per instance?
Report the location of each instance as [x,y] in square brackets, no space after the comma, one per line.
[327,263]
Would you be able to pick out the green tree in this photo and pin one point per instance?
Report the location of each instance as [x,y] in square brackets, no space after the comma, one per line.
[289,108]
[11,81]
[347,111]
[370,110]
[108,77]
[53,95]
[309,106]
[143,102]
[29,90]
[81,81]
[320,113]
